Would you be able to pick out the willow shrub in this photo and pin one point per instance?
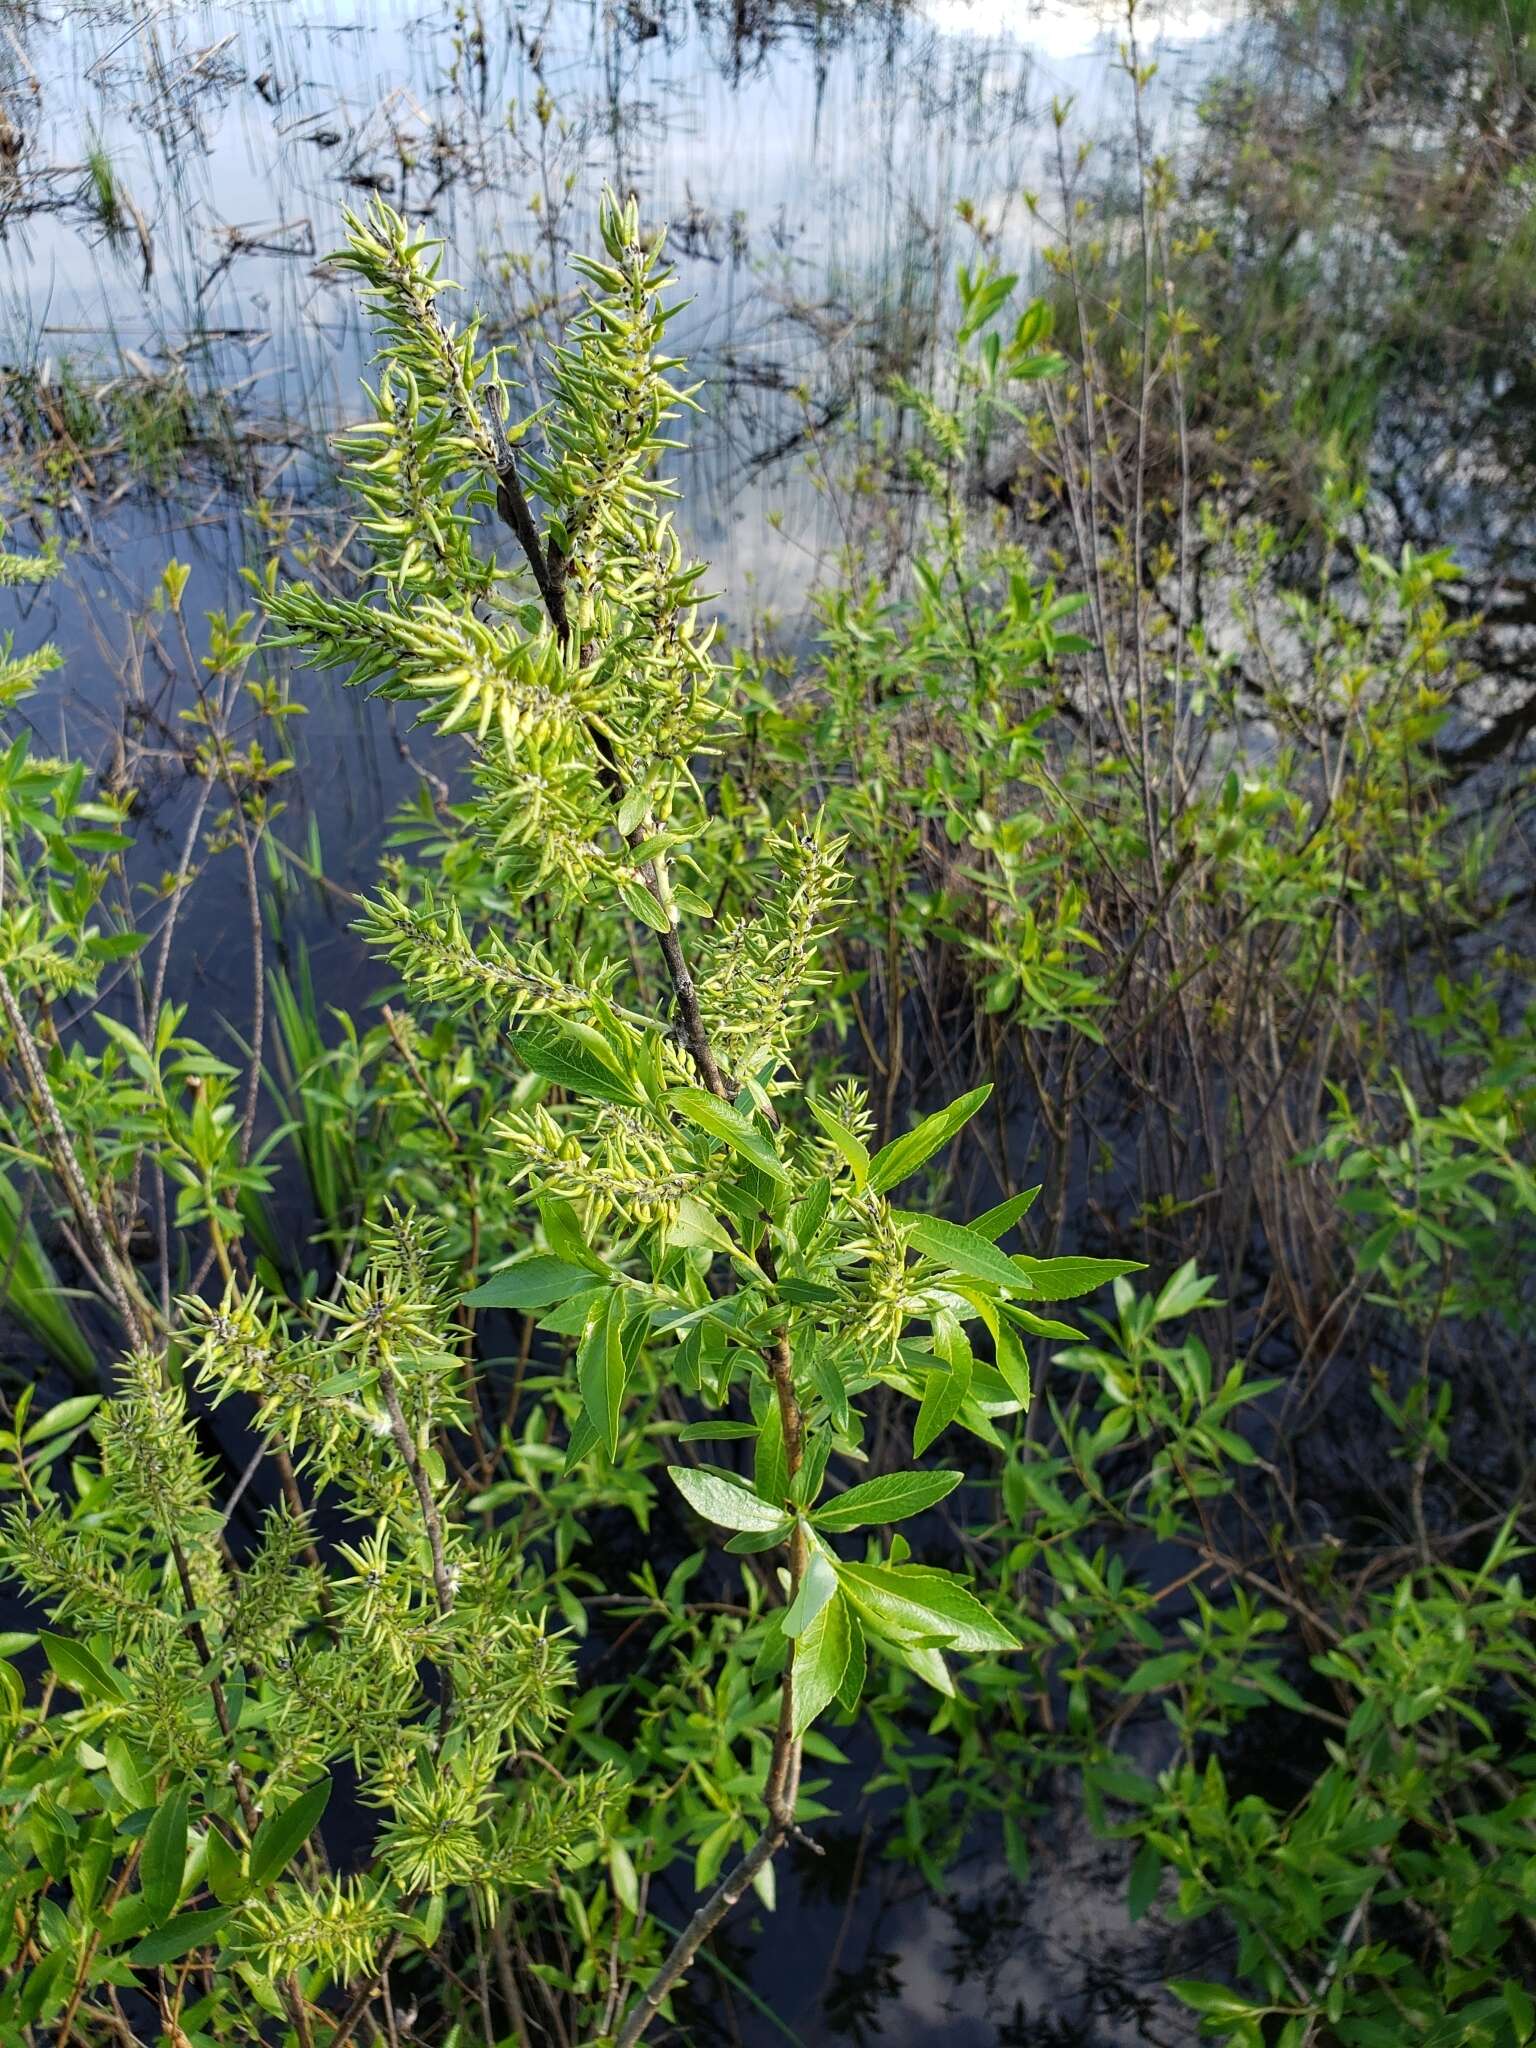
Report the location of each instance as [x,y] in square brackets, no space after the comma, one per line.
[704,1234]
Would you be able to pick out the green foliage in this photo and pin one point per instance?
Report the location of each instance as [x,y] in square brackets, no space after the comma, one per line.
[675,1205]
[221,1698]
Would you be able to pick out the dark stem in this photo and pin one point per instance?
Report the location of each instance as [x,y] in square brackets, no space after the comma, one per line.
[441,1579]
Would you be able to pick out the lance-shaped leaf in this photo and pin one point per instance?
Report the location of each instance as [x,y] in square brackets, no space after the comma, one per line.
[816,1589]
[828,1382]
[946,1384]
[641,903]
[722,1499]
[600,1369]
[944,1392]
[918,1603]
[80,1669]
[1007,1346]
[960,1250]
[282,1835]
[724,1121]
[822,1657]
[575,1056]
[531,1283]
[66,1415]
[163,1859]
[891,1499]
[1065,1279]
[849,1143]
[226,1878]
[186,1931]
[993,1223]
[1041,1326]
[770,1460]
[892,1163]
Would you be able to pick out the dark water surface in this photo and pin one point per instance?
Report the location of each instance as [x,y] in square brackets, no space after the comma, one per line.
[809,158]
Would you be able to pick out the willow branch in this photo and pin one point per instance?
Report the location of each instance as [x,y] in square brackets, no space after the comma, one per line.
[442,1578]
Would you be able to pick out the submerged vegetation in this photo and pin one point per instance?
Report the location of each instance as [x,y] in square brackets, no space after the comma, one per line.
[906,1243]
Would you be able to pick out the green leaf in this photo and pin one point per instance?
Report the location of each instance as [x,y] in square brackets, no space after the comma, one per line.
[1064,1279]
[575,1057]
[568,1318]
[186,1931]
[1012,1360]
[828,1381]
[562,1229]
[892,1163]
[891,1499]
[989,295]
[1042,1326]
[582,1439]
[695,1224]
[66,1415]
[634,808]
[75,1666]
[722,1499]
[711,1853]
[816,1589]
[281,1835]
[226,1879]
[164,1858]
[1269,1681]
[1182,1293]
[131,1780]
[992,1223]
[852,1687]
[1522,2011]
[918,1602]
[821,1661]
[810,1212]
[641,903]
[946,1383]
[944,1393]
[531,1283]
[1146,1873]
[601,1372]
[852,1147]
[724,1121]
[807,1293]
[1220,1999]
[770,1461]
[966,1251]
[621,1871]
[1157,1672]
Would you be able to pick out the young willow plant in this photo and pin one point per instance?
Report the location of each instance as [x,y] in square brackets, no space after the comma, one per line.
[708,1224]
[215,1703]
[705,1228]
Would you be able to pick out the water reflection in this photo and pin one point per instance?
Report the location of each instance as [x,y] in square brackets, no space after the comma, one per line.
[810,160]
[173,181]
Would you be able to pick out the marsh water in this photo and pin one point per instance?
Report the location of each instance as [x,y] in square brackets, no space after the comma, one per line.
[172,176]
[810,162]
